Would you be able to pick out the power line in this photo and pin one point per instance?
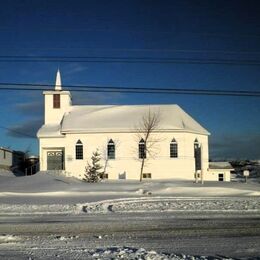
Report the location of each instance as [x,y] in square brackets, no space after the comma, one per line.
[113,59]
[18,132]
[105,30]
[127,88]
[207,51]
[111,89]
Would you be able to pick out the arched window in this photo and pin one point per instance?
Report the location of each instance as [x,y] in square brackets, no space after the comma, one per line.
[196,145]
[142,149]
[111,152]
[173,149]
[197,155]
[79,150]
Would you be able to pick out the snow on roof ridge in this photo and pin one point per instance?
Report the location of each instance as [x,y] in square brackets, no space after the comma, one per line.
[125,105]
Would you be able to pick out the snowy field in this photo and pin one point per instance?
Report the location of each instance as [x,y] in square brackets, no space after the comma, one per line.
[53,217]
[50,194]
[43,184]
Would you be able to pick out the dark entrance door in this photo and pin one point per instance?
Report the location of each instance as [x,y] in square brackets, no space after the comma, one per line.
[55,160]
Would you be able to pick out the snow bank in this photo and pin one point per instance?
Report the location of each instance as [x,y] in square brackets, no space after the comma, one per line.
[159,204]
[28,209]
[44,184]
[138,205]
[141,253]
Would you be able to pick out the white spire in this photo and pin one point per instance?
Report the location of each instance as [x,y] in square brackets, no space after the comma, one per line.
[58,81]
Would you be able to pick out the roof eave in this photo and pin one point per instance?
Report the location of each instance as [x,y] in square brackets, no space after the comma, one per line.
[76,131]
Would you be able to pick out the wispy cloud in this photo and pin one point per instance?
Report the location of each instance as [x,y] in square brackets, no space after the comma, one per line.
[27,129]
[34,108]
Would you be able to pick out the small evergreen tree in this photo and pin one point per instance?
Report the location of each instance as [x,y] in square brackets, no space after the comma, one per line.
[93,171]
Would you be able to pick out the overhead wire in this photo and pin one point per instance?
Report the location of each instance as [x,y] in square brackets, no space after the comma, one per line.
[114,89]
[18,132]
[124,59]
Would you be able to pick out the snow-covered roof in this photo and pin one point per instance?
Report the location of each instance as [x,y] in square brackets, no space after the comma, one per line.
[6,149]
[126,118]
[122,118]
[220,165]
[50,130]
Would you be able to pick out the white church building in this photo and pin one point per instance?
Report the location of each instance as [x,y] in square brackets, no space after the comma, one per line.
[71,133]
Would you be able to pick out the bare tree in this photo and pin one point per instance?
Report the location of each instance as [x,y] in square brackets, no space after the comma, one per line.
[147,142]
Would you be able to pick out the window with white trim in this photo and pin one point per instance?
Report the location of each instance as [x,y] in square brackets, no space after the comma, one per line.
[142,149]
[173,149]
[111,150]
[79,150]
[197,155]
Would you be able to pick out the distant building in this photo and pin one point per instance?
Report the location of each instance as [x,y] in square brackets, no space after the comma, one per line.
[6,157]
[10,158]
[71,133]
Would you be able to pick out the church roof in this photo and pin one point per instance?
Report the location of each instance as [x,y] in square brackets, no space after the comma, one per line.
[124,118]
[50,130]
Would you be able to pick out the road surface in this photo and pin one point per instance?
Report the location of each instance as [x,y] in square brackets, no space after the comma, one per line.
[68,237]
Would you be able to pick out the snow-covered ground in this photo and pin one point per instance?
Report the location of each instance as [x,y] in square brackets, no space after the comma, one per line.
[139,204]
[145,236]
[45,197]
[35,251]
[43,184]
[49,194]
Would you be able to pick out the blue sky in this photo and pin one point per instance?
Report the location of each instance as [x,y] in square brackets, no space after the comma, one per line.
[157,29]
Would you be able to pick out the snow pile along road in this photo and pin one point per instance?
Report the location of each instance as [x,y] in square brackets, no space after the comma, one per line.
[141,204]
[158,204]
[141,253]
[27,209]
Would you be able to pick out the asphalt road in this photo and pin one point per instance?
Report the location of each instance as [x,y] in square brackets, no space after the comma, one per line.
[211,235]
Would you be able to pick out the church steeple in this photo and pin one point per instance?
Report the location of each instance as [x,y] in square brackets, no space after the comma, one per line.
[58,81]
[56,102]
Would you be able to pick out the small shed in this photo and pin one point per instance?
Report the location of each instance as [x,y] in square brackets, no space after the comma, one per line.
[219,171]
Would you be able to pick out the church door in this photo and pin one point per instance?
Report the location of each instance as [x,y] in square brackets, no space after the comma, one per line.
[55,160]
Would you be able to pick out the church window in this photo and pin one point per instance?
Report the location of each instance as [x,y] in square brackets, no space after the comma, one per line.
[56,101]
[197,155]
[142,149]
[196,146]
[111,149]
[79,150]
[173,149]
